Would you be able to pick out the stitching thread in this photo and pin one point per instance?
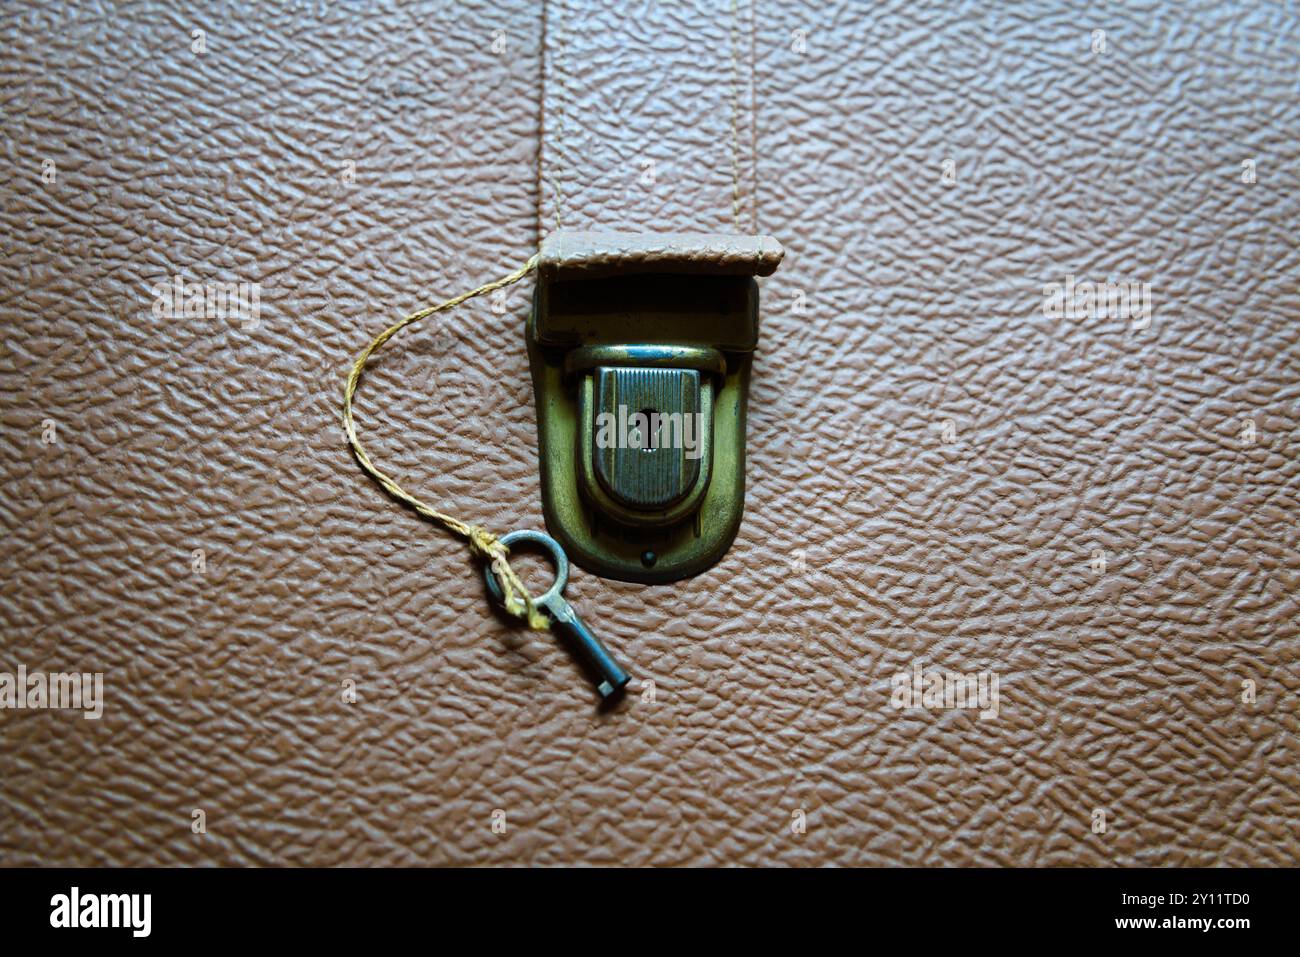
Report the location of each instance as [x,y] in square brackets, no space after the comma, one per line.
[557,176]
[735,120]
[753,123]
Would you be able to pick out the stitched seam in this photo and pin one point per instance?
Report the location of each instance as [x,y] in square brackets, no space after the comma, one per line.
[543,76]
[753,123]
[751,118]
[556,73]
[735,120]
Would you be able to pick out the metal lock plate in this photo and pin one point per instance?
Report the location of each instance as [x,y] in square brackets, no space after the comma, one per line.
[640,348]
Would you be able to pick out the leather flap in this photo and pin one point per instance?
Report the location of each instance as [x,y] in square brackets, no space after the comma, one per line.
[574,254]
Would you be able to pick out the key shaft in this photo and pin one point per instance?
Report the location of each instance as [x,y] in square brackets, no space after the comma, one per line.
[609,675]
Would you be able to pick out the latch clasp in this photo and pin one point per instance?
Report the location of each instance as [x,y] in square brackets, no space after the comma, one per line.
[640,347]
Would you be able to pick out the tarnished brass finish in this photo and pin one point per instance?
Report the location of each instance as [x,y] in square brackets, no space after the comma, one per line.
[604,347]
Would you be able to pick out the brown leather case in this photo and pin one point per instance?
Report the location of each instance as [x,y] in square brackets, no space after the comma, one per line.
[1103,516]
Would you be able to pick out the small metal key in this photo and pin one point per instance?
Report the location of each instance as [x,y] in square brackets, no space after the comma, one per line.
[610,677]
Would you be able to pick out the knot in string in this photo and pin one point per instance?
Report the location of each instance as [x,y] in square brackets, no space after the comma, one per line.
[514,596]
[484,544]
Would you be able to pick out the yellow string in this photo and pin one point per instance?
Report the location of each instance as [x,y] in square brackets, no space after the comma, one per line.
[482,543]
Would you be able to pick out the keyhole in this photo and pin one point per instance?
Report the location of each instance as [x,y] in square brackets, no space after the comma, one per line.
[652,441]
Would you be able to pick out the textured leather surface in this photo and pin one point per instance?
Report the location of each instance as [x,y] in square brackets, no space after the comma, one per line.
[934,463]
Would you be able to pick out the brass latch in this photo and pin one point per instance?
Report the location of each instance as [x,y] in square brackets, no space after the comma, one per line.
[640,347]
